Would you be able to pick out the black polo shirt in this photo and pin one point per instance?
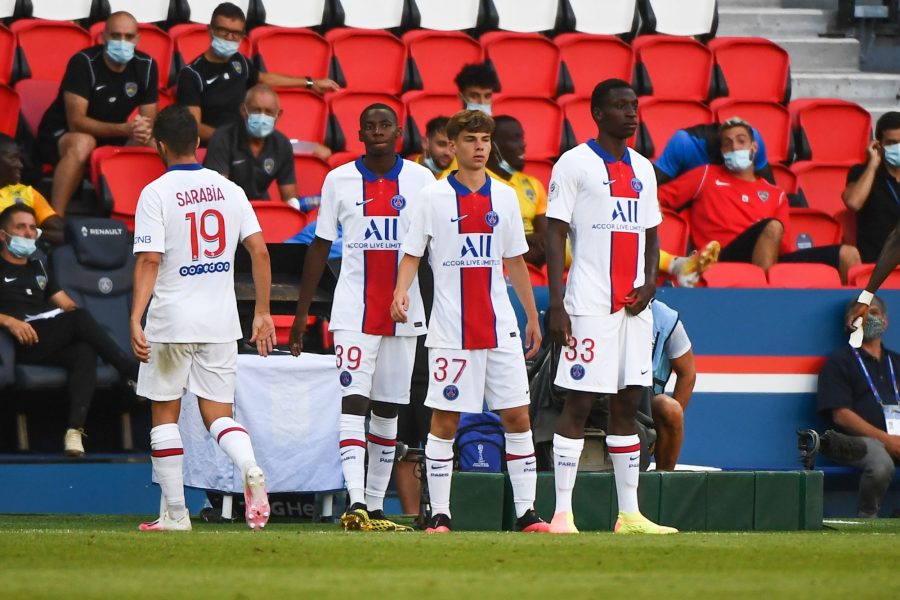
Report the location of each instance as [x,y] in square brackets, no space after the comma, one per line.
[879,215]
[25,289]
[229,154]
[111,96]
[217,88]
[842,384]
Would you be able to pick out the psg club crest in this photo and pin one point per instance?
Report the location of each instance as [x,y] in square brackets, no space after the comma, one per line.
[398,202]
[577,372]
[105,285]
[451,392]
[269,165]
[131,89]
[492,218]
[237,66]
[636,185]
[346,378]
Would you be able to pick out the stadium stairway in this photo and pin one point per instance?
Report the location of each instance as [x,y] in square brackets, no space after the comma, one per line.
[823,64]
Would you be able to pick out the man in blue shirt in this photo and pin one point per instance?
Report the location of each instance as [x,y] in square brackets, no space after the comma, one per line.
[699,145]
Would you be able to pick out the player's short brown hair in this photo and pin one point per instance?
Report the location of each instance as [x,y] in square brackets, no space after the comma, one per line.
[473,121]
[177,128]
[733,122]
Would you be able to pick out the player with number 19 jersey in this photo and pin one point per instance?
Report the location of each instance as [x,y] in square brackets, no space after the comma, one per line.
[195,218]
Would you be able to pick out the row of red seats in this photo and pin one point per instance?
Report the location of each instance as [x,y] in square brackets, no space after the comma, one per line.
[792,275]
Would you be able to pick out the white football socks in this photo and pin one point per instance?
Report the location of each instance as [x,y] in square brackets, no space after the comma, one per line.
[167,458]
[382,442]
[235,442]
[522,468]
[439,465]
[566,453]
[353,456]
[625,452]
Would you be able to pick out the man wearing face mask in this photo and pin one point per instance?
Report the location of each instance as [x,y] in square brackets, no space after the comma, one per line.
[252,153]
[873,188]
[436,153]
[748,215]
[47,325]
[213,85]
[12,191]
[102,86]
[857,390]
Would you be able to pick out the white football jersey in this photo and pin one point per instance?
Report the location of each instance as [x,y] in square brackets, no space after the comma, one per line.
[374,214]
[467,235]
[195,218]
[609,204]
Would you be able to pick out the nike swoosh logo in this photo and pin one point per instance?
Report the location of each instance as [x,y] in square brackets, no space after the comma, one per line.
[386,452]
[366,201]
[436,467]
[528,464]
[610,182]
[644,372]
[457,219]
[239,161]
[634,457]
[723,183]
[210,81]
[9,279]
[99,87]
[344,452]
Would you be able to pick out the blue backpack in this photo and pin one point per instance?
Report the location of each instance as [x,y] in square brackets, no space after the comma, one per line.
[480,443]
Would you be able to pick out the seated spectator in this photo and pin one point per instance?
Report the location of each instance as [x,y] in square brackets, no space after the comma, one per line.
[14,192]
[857,391]
[477,83]
[102,86]
[505,163]
[873,188]
[696,146]
[214,84]
[436,153]
[47,325]
[746,214]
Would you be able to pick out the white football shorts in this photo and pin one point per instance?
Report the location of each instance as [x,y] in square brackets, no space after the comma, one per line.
[375,366]
[609,353]
[207,370]
[464,380]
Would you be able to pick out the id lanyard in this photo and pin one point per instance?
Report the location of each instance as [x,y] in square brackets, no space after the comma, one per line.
[891,188]
[872,384]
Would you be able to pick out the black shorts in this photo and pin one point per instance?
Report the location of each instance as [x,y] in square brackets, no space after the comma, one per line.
[414,419]
[741,249]
[47,145]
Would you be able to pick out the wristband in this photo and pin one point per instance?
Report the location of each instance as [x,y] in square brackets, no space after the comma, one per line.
[293,203]
[865,297]
[309,82]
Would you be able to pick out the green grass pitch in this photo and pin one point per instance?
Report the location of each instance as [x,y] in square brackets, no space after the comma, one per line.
[71,557]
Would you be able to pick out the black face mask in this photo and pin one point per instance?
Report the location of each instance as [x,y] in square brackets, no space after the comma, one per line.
[873,328]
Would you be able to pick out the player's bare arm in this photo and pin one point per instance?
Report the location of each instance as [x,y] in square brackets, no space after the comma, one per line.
[263,328]
[560,327]
[146,268]
[639,298]
[685,370]
[887,262]
[406,272]
[521,282]
[313,267]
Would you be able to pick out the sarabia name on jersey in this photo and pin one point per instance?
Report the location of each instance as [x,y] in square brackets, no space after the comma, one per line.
[198,195]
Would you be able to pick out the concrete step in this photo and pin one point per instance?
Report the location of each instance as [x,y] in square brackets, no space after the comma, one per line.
[821,54]
[749,3]
[878,106]
[773,22]
[882,87]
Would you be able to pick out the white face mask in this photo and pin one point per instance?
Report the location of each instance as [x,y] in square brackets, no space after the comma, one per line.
[485,108]
[738,160]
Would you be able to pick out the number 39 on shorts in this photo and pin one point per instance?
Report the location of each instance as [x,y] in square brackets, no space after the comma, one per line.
[584,350]
[353,356]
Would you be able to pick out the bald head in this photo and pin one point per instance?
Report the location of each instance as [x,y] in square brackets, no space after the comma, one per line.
[121,25]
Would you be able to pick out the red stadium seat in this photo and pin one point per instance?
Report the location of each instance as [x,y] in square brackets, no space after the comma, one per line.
[660,119]
[735,275]
[771,120]
[278,220]
[122,177]
[677,68]
[830,130]
[541,169]
[858,277]
[192,39]
[542,120]
[803,275]
[341,158]
[821,185]
[154,41]
[784,178]
[421,107]
[527,64]
[578,53]
[810,228]
[346,107]
[579,123]
[368,60]
[538,275]
[45,47]
[310,172]
[7,54]
[295,52]
[438,56]
[304,116]
[36,96]
[9,111]
[674,233]
[752,69]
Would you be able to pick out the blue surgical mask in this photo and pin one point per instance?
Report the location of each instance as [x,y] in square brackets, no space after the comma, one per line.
[260,125]
[892,155]
[120,51]
[485,108]
[873,328]
[506,166]
[429,162]
[20,247]
[224,48]
[738,160]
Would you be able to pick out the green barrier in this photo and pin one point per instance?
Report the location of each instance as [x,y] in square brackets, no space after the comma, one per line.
[812,499]
[730,501]
[476,501]
[682,501]
[777,501]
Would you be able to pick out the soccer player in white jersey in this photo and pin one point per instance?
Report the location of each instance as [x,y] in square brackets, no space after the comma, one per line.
[603,195]
[472,227]
[187,227]
[371,200]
